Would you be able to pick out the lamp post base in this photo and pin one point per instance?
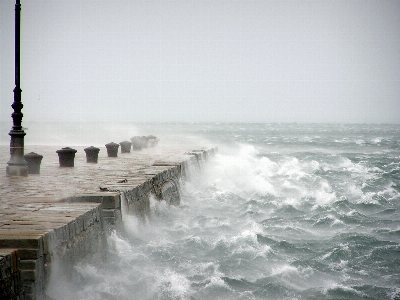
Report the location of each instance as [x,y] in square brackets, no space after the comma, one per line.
[17,166]
[17,170]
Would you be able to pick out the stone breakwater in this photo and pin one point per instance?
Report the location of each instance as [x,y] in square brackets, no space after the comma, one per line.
[63,215]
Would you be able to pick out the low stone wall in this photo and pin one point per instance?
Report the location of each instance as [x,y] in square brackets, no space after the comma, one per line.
[76,227]
[160,181]
[71,237]
[110,206]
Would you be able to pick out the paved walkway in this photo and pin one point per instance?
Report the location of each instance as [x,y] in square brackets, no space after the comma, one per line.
[21,195]
[35,224]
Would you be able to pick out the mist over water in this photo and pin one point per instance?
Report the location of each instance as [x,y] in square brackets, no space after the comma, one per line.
[284,211]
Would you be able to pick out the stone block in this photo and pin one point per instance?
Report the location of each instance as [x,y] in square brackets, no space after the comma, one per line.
[112,217]
[10,277]
[174,172]
[170,192]
[140,207]
[107,199]
[21,239]
[29,275]
[72,229]
[79,225]
[29,287]
[30,296]
[29,254]
[91,217]
[28,264]
[62,233]
[33,270]
[8,262]
[145,188]
[51,241]
[108,213]
[131,194]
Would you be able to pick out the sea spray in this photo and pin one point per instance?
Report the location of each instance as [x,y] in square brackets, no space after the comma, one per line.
[285,211]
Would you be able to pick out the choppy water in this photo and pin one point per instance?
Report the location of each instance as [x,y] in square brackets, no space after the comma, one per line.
[285,211]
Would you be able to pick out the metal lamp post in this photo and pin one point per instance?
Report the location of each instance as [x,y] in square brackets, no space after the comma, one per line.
[17,165]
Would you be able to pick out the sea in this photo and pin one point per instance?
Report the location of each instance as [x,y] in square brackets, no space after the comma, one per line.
[283,211]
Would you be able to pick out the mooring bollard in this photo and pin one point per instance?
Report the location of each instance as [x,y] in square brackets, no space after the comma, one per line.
[34,160]
[136,143]
[92,154]
[152,140]
[112,149]
[125,147]
[145,141]
[66,156]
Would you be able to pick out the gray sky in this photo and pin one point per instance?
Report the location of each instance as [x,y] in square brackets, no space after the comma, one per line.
[218,61]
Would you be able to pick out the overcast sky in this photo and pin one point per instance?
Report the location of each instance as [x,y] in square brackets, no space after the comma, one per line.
[218,61]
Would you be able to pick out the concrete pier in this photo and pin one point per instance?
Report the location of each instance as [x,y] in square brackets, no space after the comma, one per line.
[64,214]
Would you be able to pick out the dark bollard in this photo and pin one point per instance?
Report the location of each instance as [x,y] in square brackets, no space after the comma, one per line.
[136,143]
[125,147]
[145,141]
[66,157]
[34,160]
[92,154]
[152,140]
[112,149]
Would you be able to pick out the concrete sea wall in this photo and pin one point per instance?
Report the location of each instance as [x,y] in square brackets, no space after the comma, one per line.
[74,228]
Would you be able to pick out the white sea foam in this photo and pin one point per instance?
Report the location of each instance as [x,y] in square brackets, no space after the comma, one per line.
[295,202]
[242,172]
[376,140]
[360,142]
[324,195]
[283,270]
[343,288]
[174,285]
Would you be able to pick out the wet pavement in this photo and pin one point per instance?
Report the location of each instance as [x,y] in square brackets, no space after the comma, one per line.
[22,195]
